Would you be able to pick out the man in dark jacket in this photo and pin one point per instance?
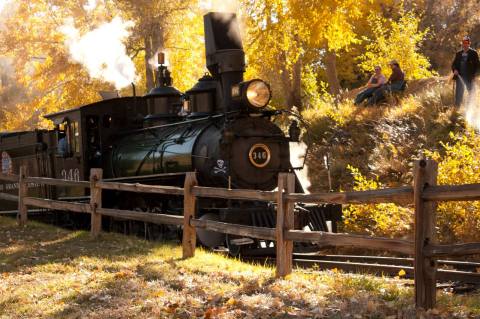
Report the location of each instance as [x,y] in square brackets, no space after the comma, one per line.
[464,68]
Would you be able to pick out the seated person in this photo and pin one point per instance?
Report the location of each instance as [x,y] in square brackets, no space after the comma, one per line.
[377,80]
[395,83]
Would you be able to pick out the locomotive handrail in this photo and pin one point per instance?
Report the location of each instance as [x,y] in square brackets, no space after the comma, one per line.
[9,178]
[400,195]
[242,194]
[57,182]
[140,188]
[208,117]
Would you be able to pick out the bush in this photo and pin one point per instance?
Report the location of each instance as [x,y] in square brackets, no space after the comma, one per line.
[387,220]
[459,164]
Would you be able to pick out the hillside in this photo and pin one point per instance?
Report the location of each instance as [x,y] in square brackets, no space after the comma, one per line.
[47,272]
[382,141]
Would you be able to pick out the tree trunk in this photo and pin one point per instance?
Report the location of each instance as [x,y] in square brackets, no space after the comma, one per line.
[158,43]
[292,83]
[148,68]
[154,42]
[331,70]
[297,85]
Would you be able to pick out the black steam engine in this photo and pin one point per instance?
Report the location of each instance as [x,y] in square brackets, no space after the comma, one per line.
[220,128]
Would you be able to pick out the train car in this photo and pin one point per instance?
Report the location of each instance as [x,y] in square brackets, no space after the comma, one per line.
[221,128]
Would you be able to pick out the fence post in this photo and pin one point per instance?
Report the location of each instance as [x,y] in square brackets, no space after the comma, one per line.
[96,174]
[189,240]
[22,193]
[425,268]
[285,222]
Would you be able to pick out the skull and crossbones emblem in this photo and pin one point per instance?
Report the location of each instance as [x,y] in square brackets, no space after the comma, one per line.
[220,168]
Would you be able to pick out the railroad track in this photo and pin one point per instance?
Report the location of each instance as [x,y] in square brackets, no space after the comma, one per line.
[448,270]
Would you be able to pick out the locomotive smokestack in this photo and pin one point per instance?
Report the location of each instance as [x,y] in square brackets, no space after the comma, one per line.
[224,51]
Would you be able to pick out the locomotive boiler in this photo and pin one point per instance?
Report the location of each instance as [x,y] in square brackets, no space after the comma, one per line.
[220,128]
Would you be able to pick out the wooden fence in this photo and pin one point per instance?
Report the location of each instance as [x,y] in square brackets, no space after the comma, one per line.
[423,194]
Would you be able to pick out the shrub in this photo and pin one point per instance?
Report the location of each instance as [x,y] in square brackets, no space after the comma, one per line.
[459,163]
[388,220]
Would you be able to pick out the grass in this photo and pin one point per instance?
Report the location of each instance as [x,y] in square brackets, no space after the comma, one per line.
[47,272]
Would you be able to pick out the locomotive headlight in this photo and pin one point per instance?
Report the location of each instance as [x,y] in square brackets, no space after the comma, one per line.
[255,93]
[258,93]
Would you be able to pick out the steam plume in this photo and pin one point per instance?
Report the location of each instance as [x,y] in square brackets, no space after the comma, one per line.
[220,5]
[472,109]
[297,155]
[102,52]
[90,5]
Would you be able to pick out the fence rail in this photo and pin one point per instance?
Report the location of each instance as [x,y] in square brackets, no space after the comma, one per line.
[399,195]
[424,193]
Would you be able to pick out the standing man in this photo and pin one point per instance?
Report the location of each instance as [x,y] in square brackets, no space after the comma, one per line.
[464,68]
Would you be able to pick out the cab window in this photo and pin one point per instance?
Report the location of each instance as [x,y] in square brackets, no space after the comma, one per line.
[68,139]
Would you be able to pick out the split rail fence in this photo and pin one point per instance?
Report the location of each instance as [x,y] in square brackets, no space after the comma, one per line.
[424,194]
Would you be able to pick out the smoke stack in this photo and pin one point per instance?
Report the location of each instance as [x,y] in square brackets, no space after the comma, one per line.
[224,52]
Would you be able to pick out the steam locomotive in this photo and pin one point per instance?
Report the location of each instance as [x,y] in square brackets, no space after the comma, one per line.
[220,128]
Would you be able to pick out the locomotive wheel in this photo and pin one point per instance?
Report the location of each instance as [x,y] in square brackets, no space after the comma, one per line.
[208,238]
[233,249]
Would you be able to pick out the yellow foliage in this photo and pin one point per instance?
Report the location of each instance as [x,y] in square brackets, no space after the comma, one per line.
[399,40]
[388,220]
[459,163]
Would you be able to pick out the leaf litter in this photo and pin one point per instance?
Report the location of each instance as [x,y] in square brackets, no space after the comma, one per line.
[56,273]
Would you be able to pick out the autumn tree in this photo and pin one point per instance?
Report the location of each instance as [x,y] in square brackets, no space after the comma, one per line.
[448,21]
[32,37]
[400,40]
[35,38]
[293,40]
[164,26]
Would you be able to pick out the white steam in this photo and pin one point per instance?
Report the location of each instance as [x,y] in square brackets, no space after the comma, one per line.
[90,5]
[220,5]
[297,156]
[102,51]
[472,107]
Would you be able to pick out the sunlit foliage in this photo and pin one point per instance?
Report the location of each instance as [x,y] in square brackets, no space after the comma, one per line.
[459,163]
[389,220]
[397,40]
